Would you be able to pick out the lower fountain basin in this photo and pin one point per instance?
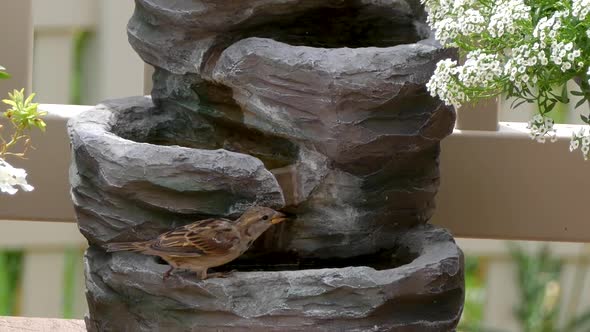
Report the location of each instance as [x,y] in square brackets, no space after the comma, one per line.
[425,293]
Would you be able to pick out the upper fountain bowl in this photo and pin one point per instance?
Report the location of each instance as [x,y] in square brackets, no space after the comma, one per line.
[194,31]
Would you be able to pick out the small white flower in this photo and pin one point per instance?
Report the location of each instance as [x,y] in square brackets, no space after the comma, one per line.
[443,83]
[11,177]
[549,122]
[540,127]
[580,8]
[574,144]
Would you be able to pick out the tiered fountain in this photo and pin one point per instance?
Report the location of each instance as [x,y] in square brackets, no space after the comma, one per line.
[316,108]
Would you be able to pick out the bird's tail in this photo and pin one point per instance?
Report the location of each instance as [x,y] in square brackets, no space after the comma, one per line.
[125,246]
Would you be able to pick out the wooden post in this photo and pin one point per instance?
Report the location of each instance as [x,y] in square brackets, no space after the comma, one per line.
[120,70]
[16,44]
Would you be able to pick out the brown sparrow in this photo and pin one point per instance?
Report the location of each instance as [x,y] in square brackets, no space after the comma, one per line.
[205,243]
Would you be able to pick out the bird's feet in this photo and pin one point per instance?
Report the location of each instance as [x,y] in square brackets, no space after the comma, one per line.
[168,273]
[222,274]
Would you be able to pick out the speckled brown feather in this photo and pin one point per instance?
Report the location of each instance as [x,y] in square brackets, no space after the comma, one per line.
[209,237]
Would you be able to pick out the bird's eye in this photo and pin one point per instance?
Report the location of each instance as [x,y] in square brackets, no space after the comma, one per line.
[265,218]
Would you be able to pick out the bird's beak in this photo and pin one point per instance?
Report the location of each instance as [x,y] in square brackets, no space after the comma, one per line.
[278,218]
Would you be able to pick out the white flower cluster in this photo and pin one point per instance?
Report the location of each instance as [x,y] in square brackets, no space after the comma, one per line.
[480,69]
[471,22]
[564,55]
[581,8]
[443,83]
[11,177]
[548,27]
[583,140]
[451,18]
[523,58]
[542,126]
[505,16]
[508,53]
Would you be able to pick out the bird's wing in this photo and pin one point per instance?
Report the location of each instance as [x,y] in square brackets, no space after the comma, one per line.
[210,237]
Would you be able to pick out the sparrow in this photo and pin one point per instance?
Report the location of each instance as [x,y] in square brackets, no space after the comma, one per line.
[206,243]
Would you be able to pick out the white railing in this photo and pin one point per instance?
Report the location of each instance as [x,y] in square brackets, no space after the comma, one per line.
[496,182]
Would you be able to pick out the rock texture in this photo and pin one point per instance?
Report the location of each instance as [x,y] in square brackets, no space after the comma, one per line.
[184,36]
[425,294]
[127,190]
[317,108]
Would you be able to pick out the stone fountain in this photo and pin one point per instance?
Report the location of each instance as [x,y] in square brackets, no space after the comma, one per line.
[316,108]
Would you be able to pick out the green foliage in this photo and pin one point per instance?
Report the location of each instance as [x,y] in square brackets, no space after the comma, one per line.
[474,296]
[73,257]
[538,281]
[537,278]
[22,115]
[3,74]
[10,276]
[23,112]
[81,41]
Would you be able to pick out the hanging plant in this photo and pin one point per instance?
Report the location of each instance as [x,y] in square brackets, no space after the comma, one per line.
[22,116]
[523,49]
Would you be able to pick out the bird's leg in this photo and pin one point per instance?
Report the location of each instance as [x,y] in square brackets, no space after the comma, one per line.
[202,274]
[168,273]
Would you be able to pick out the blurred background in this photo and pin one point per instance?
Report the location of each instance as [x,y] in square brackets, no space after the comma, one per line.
[82,57]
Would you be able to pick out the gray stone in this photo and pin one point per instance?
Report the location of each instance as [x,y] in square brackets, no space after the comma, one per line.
[356,106]
[421,291]
[184,36]
[316,108]
[129,190]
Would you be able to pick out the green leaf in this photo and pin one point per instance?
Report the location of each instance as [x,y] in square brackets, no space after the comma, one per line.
[518,104]
[30,98]
[9,102]
[551,106]
[577,93]
[580,103]
[3,73]
[564,96]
